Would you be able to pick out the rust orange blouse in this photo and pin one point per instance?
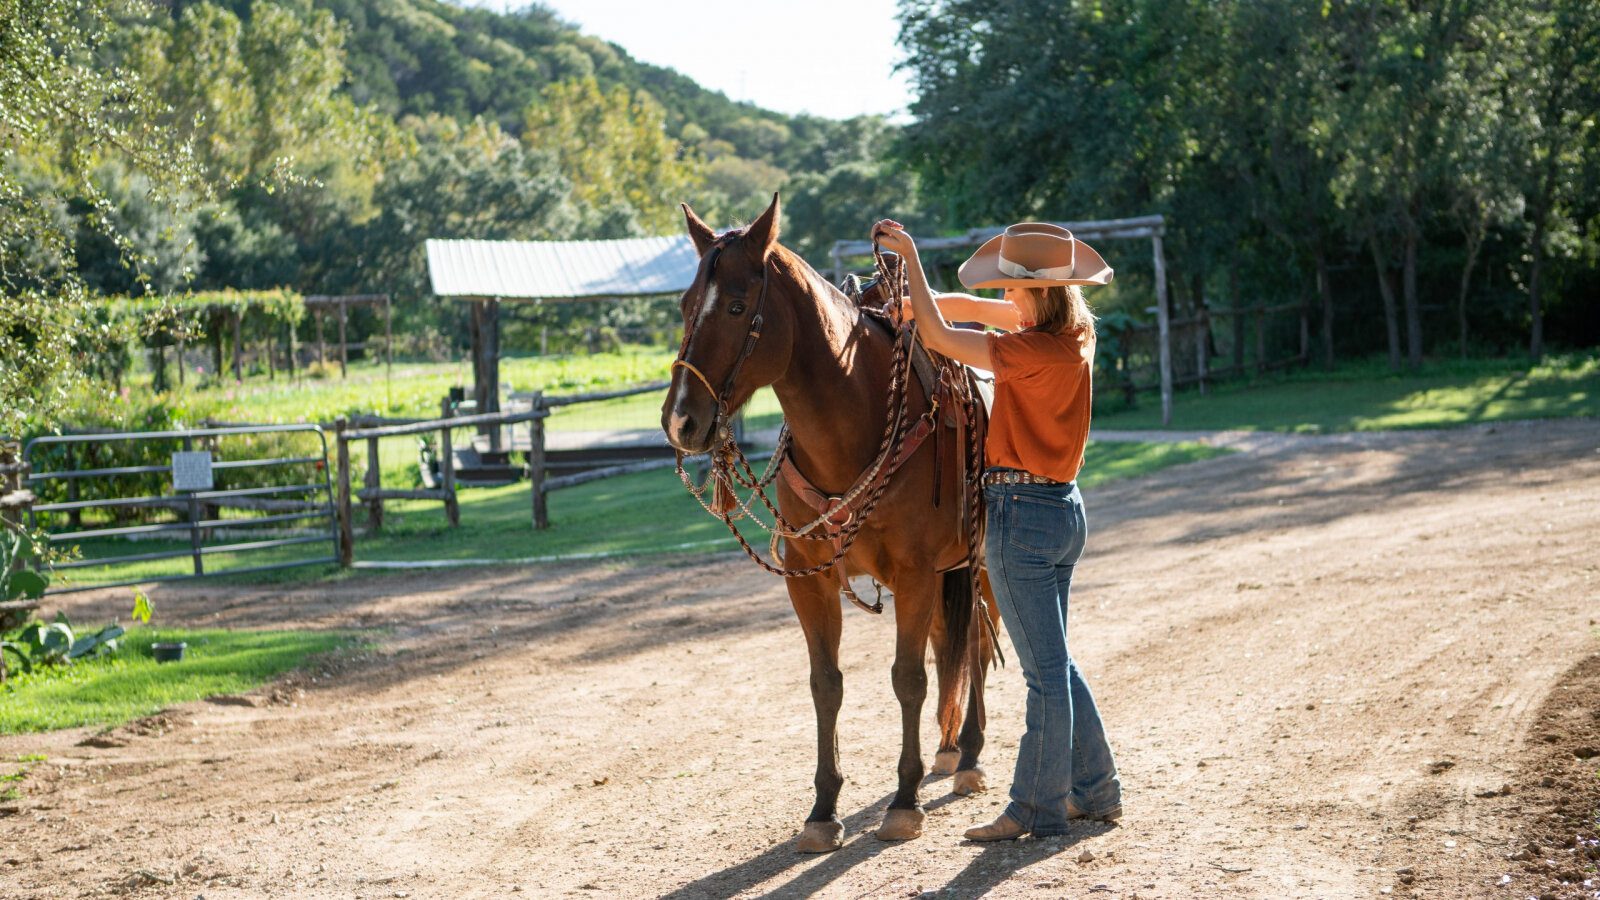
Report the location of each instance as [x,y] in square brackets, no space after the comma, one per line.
[1040,420]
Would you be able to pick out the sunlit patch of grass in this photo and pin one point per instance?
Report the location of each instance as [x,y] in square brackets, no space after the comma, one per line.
[130,684]
[1366,396]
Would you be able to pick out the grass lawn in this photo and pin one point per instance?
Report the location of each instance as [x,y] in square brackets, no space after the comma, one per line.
[1366,396]
[647,512]
[130,684]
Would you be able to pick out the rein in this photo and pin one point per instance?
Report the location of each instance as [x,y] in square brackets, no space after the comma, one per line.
[730,466]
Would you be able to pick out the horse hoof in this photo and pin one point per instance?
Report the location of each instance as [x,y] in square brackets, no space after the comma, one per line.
[821,837]
[901,825]
[969,781]
[945,761]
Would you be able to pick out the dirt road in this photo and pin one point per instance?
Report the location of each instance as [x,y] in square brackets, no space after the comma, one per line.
[1311,659]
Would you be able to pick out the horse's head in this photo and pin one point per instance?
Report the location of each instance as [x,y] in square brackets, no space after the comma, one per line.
[732,343]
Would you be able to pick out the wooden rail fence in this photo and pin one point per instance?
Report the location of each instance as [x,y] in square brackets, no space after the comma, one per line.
[532,408]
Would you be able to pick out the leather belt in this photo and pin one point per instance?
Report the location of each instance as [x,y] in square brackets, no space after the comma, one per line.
[1016,476]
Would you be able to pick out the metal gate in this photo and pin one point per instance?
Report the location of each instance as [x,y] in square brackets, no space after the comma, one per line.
[187,488]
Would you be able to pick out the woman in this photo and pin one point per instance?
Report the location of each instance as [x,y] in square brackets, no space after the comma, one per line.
[1036,526]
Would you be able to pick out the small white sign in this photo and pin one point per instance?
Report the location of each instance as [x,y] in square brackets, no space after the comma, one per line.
[191,471]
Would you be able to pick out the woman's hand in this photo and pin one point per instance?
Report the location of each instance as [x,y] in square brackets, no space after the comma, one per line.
[907,311]
[892,236]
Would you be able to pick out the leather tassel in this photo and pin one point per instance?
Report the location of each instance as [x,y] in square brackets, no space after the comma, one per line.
[723,501]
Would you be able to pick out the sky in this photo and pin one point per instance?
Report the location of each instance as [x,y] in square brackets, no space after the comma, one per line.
[831,58]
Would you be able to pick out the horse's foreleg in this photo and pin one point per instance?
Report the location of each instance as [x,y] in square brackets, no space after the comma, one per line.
[914,604]
[816,602]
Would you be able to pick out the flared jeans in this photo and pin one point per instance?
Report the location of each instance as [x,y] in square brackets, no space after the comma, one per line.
[1035,535]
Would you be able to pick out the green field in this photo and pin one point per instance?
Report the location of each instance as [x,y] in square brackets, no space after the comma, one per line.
[643,513]
[1368,397]
[130,684]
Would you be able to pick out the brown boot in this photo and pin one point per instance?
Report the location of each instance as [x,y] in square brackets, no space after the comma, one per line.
[1003,828]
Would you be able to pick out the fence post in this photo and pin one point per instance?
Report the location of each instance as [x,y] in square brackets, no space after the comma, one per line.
[1261,337]
[1305,334]
[536,465]
[238,346]
[374,485]
[1164,327]
[447,467]
[347,535]
[343,361]
[1202,346]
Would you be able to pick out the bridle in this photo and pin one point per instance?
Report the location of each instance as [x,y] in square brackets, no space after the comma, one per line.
[719,425]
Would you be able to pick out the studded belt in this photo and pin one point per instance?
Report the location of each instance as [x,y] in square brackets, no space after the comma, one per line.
[1016,476]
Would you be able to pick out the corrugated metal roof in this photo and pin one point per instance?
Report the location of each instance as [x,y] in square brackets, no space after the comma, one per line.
[553,270]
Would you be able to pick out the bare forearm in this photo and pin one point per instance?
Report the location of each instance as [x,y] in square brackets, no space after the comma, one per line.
[999,314]
[958,343]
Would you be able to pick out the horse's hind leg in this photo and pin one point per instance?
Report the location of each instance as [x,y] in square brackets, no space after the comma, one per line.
[914,600]
[969,777]
[816,602]
[952,682]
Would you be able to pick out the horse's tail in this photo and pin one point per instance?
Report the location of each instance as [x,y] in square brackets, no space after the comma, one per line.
[953,650]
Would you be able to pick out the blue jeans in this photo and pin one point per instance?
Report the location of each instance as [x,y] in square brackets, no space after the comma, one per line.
[1035,536]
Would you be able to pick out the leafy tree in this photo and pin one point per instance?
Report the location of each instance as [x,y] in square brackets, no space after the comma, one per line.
[612,145]
[64,114]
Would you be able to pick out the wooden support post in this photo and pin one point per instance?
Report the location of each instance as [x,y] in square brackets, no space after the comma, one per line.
[1164,328]
[1237,303]
[343,353]
[1261,338]
[238,346]
[1202,347]
[447,467]
[216,352]
[1305,334]
[322,345]
[536,465]
[272,368]
[388,338]
[288,344]
[838,263]
[180,364]
[347,533]
[486,364]
[374,483]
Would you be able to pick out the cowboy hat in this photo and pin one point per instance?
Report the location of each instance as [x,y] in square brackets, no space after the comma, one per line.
[1033,254]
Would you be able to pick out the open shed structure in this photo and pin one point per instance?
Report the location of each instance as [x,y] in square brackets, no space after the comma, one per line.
[488,273]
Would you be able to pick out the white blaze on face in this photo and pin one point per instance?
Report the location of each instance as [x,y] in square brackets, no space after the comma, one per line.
[689,382]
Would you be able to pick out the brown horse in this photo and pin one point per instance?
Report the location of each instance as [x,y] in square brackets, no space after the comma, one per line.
[758,315]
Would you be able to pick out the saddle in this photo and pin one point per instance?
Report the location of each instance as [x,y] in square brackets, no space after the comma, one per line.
[947,427]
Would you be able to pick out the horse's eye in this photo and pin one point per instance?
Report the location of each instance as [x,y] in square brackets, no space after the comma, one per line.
[736,307]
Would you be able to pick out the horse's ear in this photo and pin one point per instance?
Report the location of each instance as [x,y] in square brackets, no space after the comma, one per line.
[763,232]
[699,231]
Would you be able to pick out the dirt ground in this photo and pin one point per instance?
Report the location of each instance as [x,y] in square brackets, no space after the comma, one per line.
[1320,662]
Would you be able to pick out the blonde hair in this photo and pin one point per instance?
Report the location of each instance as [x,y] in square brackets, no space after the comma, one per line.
[1060,309]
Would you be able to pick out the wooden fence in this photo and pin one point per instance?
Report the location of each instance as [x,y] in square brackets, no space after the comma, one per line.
[532,408]
[373,493]
[1210,344]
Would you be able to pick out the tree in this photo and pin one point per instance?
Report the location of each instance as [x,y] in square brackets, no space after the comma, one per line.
[63,117]
[1557,86]
[612,145]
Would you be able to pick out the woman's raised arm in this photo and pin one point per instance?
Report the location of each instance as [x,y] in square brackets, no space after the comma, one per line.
[970,347]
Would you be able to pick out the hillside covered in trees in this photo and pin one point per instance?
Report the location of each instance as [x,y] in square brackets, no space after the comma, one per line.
[1426,176]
